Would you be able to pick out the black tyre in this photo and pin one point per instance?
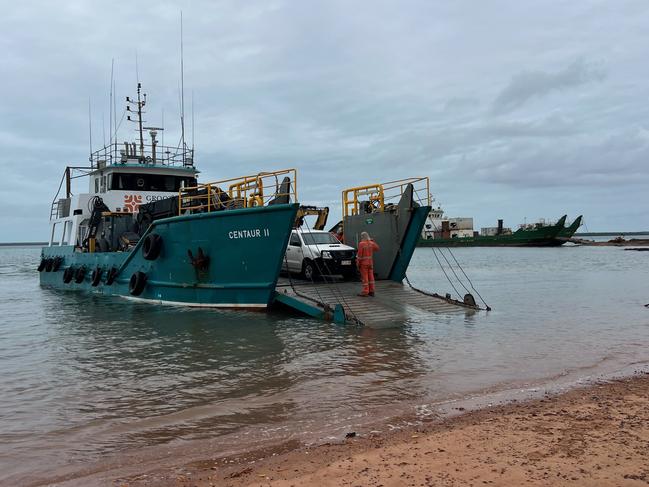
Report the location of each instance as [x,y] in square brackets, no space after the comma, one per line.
[96,276]
[137,283]
[41,266]
[56,265]
[68,274]
[110,277]
[309,270]
[80,275]
[48,265]
[151,246]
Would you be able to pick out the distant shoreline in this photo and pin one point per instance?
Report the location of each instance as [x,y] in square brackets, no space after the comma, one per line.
[606,234]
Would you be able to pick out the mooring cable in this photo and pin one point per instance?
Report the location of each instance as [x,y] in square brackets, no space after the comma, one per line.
[444,271]
[458,264]
[468,279]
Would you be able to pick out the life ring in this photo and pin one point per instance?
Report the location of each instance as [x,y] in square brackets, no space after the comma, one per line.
[48,265]
[151,246]
[41,266]
[137,283]
[80,275]
[68,274]
[57,263]
[112,274]
[96,276]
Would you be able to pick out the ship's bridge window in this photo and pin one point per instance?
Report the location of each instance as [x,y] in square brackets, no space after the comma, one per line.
[150,182]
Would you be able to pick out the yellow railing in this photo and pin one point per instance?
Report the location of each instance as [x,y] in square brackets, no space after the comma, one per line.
[375,197]
[242,192]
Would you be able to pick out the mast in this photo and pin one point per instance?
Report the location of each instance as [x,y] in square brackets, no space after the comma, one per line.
[90,127]
[182,91]
[110,103]
[139,104]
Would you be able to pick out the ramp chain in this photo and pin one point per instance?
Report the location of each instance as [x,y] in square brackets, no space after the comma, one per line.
[335,286]
[487,307]
[320,302]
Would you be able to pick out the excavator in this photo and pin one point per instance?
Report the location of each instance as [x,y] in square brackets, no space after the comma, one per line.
[322,213]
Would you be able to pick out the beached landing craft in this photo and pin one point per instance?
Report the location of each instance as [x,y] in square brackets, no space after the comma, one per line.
[393,214]
[147,230]
[440,232]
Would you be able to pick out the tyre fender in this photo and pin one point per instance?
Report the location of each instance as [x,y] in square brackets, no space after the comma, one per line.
[110,277]
[151,246]
[68,274]
[137,283]
[80,275]
[96,276]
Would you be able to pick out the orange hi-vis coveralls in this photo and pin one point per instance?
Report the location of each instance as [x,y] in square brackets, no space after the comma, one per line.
[365,264]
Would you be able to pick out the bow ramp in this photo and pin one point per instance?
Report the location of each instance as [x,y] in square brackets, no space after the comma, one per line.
[338,302]
[393,214]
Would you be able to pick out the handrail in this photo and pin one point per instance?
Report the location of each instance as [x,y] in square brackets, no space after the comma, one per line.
[378,196]
[259,189]
[121,153]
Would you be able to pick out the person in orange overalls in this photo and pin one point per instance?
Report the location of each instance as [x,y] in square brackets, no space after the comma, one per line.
[365,263]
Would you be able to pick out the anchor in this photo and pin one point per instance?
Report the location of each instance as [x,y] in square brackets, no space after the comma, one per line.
[201,262]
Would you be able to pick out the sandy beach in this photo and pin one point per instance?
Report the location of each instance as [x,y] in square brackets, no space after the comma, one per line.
[596,435]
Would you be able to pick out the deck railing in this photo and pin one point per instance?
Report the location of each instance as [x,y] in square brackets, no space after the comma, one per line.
[261,189]
[133,153]
[376,197]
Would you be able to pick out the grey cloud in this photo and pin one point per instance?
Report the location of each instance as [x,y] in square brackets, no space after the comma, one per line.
[535,84]
[347,95]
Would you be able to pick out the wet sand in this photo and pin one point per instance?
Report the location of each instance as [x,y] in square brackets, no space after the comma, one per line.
[596,435]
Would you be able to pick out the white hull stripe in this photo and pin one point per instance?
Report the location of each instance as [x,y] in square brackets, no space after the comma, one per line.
[195,305]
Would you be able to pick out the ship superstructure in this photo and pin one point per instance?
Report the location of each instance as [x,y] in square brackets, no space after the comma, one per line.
[124,175]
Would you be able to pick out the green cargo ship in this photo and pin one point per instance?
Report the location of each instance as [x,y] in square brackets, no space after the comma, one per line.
[146,230]
[534,235]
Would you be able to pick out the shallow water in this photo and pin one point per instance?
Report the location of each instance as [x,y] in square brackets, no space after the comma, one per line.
[84,376]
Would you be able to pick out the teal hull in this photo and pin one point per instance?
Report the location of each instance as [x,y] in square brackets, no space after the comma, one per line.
[245,249]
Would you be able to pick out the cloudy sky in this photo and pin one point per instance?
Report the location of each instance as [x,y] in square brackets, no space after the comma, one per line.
[516,110]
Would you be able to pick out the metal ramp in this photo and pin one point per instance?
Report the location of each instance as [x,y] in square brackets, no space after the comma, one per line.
[338,301]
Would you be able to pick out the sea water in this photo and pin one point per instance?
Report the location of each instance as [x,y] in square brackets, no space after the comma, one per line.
[87,378]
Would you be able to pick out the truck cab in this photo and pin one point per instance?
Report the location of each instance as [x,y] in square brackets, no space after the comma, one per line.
[316,252]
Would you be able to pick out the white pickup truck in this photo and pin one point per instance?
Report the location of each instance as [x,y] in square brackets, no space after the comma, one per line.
[316,252]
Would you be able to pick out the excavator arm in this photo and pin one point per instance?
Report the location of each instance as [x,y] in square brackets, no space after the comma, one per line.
[322,213]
